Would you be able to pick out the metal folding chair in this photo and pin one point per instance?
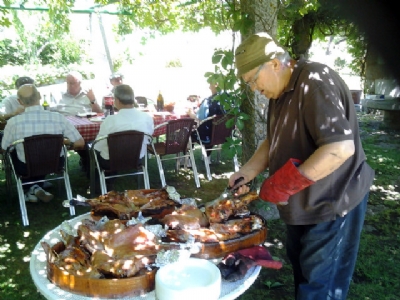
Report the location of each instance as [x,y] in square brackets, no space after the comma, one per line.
[124,150]
[178,143]
[42,156]
[219,134]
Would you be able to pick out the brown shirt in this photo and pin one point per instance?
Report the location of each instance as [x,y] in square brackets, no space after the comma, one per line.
[316,109]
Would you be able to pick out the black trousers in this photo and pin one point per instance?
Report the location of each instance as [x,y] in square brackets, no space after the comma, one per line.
[21,169]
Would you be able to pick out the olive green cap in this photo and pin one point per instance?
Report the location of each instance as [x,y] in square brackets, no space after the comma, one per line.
[254,51]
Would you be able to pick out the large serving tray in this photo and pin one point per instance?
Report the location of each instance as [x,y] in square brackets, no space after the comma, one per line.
[145,281]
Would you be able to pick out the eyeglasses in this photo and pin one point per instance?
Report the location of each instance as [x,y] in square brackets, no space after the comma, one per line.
[255,77]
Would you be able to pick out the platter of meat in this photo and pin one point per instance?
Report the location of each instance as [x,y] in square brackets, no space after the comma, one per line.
[116,251]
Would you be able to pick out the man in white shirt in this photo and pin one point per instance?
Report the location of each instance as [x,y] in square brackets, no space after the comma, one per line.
[128,118]
[75,99]
[11,105]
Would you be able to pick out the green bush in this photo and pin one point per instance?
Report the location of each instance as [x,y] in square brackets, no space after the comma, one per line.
[61,52]
[44,50]
[12,53]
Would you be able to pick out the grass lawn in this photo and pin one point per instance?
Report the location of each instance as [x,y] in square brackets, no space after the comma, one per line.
[377,273]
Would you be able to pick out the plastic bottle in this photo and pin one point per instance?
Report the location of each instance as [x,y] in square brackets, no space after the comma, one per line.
[53,101]
[45,103]
[160,102]
[109,104]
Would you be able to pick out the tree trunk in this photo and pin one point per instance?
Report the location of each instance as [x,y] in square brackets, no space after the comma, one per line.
[264,15]
[302,36]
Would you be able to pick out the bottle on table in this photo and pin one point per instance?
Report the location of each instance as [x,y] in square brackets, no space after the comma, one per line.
[45,104]
[160,102]
[109,104]
[53,101]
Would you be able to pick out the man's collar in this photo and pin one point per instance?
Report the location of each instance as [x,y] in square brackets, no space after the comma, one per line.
[295,74]
[33,107]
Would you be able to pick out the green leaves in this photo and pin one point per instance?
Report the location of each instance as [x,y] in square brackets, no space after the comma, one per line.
[272,284]
[231,95]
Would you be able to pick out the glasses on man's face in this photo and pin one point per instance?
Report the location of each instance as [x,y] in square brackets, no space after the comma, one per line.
[252,82]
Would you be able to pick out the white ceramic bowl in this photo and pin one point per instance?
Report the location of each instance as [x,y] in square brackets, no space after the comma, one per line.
[194,279]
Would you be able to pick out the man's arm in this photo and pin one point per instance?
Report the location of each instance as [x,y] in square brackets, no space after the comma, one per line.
[93,103]
[326,159]
[77,145]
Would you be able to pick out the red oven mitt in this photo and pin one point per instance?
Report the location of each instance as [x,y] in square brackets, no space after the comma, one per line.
[235,265]
[285,182]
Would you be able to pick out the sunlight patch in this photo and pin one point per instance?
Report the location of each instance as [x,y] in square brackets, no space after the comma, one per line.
[315,76]
[20,245]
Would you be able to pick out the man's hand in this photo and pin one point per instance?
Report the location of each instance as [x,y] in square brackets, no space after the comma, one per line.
[90,95]
[240,185]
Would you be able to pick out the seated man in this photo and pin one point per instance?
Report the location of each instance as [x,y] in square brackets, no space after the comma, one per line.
[208,107]
[128,118]
[75,99]
[11,104]
[34,121]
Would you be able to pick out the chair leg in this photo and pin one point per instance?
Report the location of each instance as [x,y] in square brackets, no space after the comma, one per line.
[161,170]
[102,180]
[194,168]
[8,171]
[145,174]
[21,196]
[236,163]
[69,193]
[204,153]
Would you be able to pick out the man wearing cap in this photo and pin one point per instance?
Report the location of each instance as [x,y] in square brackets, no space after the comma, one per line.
[34,121]
[319,177]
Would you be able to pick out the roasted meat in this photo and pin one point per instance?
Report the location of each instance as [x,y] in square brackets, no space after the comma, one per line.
[219,211]
[125,205]
[120,268]
[244,225]
[188,217]
[202,235]
[175,221]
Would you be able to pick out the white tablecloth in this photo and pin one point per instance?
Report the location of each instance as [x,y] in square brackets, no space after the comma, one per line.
[229,290]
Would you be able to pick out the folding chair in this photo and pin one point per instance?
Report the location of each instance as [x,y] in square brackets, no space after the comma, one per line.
[124,149]
[42,156]
[219,134]
[178,142]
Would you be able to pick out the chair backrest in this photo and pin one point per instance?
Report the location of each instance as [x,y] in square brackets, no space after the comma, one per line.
[42,154]
[220,132]
[124,149]
[177,135]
